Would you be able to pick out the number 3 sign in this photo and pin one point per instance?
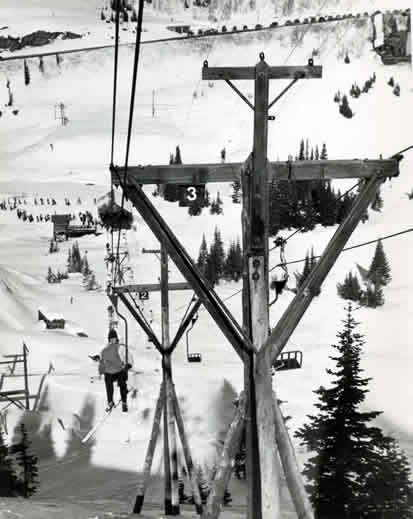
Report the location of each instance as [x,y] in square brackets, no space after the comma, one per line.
[189,195]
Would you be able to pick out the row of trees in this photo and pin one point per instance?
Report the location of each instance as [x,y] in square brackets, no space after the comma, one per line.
[216,264]
[375,279]
[18,467]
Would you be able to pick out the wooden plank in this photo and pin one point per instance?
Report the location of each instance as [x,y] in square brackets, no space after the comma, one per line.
[330,169]
[292,72]
[285,72]
[151,287]
[228,72]
[16,398]
[193,174]
[13,392]
[289,462]
[149,453]
[295,311]
[225,465]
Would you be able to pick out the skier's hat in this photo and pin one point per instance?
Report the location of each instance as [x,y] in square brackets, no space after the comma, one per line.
[112,334]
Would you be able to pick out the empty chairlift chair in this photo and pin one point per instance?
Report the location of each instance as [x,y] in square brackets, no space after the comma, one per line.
[289,360]
[192,357]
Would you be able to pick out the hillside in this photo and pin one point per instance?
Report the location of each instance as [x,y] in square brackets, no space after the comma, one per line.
[40,157]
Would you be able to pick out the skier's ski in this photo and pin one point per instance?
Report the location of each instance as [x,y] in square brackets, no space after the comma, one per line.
[99,423]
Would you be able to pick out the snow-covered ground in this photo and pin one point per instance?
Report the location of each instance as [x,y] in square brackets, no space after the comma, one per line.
[76,165]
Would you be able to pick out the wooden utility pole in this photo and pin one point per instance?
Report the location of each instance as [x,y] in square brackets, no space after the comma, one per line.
[167,400]
[257,350]
[170,452]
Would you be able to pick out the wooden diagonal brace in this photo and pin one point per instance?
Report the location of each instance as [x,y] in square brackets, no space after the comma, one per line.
[295,311]
[182,260]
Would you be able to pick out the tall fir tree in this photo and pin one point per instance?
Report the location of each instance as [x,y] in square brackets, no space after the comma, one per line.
[178,158]
[379,271]
[324,155]
[345,467]
[301,153]
[28,480]
[7,474]
[316,153]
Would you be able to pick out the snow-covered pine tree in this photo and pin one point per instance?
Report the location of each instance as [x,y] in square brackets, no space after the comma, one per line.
[7,474]
[323,155]
[316,153]
[345,463]
[350,288]
[307,153]
[373,296]
[219,204]
[28,480]
[379,271]
[85,265]
[345,109]
[178,158]
[217,254]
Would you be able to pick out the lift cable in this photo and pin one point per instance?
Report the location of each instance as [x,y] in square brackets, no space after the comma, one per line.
[132,103]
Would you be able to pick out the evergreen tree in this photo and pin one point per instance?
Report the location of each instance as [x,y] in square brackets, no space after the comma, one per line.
[345,109]
[26,73]
[312,153]
[379,271]
[69,262]
[389,489]
[102,15]
[343,445]
[350,288]
[217,257]
[7,474]
[301,153]
[324,155]
[307,153]
[76,258]
[50,276]
[178,159]
[203,256]
[227,497]
[317,153]
[373,296]
[41,64]
[219,204]
[85,265]
[28,478]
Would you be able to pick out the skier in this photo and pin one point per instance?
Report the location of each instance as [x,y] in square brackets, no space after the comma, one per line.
[114,368]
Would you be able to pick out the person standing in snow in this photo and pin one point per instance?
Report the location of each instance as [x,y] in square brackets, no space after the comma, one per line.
[113,366]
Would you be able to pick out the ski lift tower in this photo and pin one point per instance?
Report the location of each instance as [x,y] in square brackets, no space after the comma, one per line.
[258,409]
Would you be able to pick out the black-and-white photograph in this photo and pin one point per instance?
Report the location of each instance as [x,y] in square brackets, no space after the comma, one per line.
[206,243]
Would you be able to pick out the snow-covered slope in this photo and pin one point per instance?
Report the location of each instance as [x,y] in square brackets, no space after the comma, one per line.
[201,125]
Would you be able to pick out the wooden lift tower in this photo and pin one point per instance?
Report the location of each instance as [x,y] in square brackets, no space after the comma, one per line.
[258,408]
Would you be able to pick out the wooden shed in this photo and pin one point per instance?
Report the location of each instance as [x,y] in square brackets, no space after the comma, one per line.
[60,224]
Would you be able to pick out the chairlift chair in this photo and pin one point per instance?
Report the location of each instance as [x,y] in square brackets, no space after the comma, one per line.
[192,357]
[113,215]
[289,360]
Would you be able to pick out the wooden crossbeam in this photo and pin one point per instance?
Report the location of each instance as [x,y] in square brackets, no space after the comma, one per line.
[193,174]
[287,72]
[151,287]
[12,392]
[15,398]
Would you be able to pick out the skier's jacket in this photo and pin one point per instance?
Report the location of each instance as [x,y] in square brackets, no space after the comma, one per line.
[112,359]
